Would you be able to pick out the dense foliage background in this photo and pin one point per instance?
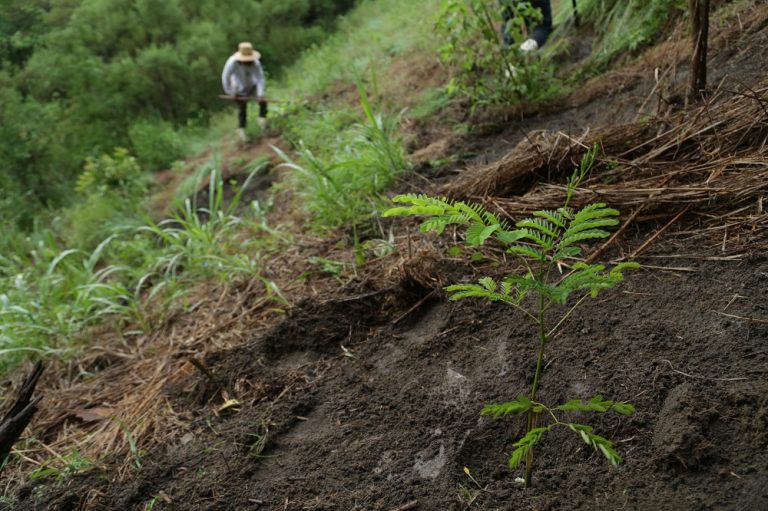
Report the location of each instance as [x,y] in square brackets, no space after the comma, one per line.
[79,78]
[95,95]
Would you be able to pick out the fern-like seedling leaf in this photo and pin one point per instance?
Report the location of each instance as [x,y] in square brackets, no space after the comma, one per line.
[592,224]
[597,404]
[486,289]
[616,271]
[564,252]
[545,241]
[528,251]
[593,278]
[542,226]
[601,444]
[524,445]
[623,408]
[570,239]
[555,217]
[488,283]
[521,404]
[592,211]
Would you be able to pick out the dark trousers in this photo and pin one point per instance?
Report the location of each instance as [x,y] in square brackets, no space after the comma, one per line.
[242,112]
[541,31]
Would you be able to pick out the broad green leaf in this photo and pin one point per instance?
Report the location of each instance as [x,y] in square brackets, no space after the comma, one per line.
[478,233]
[509,237]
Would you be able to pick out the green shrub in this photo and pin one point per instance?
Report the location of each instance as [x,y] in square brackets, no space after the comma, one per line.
[155,143]
[342,184]
[485,70]
[111,190]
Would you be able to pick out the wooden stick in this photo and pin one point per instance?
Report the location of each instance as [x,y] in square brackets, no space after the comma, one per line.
[658,233]
[594,255]
[418,304]
[698,10]
[405,507]
[248,98]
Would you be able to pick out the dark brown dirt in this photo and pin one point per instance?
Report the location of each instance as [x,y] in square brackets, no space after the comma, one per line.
[369,398]
[340,408]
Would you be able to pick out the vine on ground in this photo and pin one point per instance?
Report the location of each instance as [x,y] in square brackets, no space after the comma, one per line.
[544,242]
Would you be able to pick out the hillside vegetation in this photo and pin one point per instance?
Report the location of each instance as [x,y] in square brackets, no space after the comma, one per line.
[237,325]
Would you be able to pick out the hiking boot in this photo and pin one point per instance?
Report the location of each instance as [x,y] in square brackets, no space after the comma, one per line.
[262,123]
[241,135]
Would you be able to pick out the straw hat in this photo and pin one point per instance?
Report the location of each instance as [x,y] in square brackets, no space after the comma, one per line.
[246,53]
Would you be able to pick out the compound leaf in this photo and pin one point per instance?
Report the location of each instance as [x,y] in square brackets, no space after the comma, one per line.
[527,251]
[537,224]
[623,408]
[524,445]
[488,283]
[521,404]
[601,444]
[554,217]
[597,404]
[570,239]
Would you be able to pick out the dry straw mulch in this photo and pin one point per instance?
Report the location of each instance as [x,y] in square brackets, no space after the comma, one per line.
[711,161]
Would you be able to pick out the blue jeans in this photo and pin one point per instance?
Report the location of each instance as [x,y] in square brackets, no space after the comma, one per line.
[540,32]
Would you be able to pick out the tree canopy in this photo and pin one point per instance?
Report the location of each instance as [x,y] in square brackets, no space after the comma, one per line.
[76,75]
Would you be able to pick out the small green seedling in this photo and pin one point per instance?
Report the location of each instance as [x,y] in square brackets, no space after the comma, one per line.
[543,243]
[469,494]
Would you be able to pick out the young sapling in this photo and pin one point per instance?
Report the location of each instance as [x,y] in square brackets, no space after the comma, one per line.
[547,241]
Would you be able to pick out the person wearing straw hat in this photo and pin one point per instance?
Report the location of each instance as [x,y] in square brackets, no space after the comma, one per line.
[243,79]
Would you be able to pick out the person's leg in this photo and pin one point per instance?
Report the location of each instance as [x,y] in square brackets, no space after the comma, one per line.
[262,120]
[242,114]
[543,29]
[242,120]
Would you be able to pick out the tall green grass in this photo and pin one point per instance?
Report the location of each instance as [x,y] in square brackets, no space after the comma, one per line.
[620,25]
[343,181]
[371,35]
[50,295]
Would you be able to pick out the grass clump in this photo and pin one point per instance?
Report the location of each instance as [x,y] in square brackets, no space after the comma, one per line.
[49,294]
[368,37]
[342,182]
[622,25]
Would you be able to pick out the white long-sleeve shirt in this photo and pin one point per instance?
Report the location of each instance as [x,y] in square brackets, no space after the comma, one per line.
[238,79]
